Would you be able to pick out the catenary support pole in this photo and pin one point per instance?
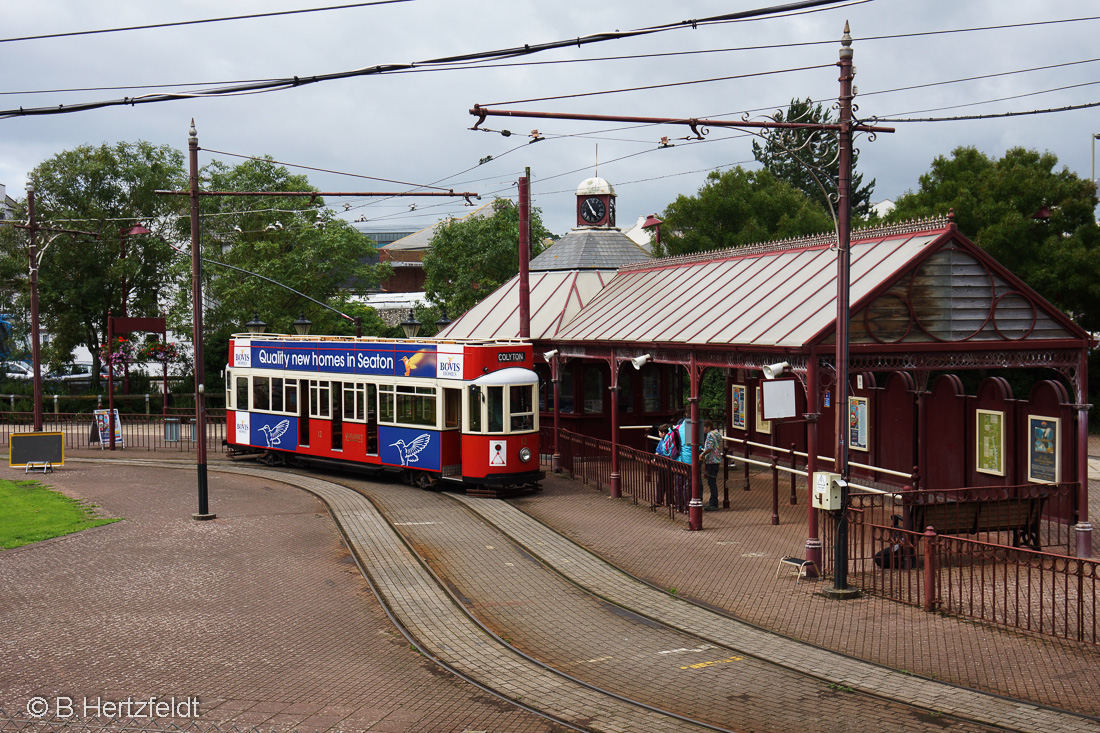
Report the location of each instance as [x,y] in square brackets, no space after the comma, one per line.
[196,322]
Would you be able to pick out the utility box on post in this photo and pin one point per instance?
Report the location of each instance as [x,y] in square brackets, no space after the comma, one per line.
[827,491]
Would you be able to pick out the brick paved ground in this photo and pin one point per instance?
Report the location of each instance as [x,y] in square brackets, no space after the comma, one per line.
[612,646]
[732,565]
[262,613]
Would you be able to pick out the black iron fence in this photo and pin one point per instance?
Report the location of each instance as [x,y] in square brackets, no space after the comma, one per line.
[142,432]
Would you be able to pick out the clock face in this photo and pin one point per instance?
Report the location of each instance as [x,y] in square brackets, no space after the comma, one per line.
[593,209]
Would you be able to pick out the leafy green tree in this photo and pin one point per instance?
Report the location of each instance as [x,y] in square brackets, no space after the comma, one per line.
[995,203]
[293,241]
[735,208]
[791,154]
[470,258]
[105,189]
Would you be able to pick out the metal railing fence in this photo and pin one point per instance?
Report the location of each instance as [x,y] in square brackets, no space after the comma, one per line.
[148,432]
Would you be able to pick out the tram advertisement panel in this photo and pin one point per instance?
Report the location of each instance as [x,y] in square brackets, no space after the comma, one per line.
[334,357]
[410,447]
[266,431]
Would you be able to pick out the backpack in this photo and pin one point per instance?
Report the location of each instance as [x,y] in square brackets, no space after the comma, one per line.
[669,447]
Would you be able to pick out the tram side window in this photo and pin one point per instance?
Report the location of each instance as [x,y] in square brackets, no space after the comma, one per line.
[495,399]
[261,393]
[242,393]
[290,394]
[416,405]
[354,401]
[385,403]
[475,409]
[276,394]
[521,404]
[452,408]
[319,398]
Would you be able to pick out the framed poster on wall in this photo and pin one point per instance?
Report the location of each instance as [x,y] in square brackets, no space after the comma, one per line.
[762,425]
[738,407]
[858,424]
[990,442]
[1043,455]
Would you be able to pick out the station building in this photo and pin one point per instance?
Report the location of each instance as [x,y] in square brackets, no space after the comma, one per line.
[927,305]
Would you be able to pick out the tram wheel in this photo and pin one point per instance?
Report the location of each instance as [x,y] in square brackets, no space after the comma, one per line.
[423,480]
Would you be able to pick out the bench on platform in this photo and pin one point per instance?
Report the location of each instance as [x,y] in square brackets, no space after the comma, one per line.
[796,562]
[1019,515]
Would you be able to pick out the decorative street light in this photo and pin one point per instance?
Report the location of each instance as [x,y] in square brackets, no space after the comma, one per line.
[443,321]
[410,325]
[302,325]
[256,326]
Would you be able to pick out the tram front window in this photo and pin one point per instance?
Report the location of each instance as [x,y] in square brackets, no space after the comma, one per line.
[520,398]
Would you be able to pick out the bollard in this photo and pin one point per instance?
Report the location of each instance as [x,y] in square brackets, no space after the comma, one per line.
[146,403]
[99,402]
[929,569]
[11,398]
[56,409]
[746,468]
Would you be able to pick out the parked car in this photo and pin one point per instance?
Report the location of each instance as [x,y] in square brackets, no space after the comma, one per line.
[16,370]
[80,371]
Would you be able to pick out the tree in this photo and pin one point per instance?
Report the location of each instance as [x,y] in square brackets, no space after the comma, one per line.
[291,240]
[736,208]
[106,189]
[995,203]
[471,257]
[789,154]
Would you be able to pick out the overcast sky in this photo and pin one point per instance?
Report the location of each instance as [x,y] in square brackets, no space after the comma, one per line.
[412,127]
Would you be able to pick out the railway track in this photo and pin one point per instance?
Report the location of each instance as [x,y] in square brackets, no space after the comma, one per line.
[523,613]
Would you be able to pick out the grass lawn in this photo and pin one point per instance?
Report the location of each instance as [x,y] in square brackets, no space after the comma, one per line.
[33,512]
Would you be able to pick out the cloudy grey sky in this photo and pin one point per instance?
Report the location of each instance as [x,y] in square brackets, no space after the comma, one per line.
[413,126]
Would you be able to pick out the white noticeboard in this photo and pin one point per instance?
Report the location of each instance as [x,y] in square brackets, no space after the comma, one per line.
[777,397]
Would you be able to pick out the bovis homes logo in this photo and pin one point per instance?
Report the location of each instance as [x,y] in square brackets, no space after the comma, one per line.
[242,356]
[449,366]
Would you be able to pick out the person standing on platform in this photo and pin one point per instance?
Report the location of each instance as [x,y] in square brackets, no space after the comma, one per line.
[683,482]
[712,458]
[667,449]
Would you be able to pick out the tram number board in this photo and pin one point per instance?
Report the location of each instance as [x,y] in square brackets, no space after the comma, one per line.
[510,357]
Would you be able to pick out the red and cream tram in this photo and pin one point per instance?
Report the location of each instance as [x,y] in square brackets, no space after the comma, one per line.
[461,412]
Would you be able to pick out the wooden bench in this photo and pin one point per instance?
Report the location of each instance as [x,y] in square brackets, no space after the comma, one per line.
[1019,515]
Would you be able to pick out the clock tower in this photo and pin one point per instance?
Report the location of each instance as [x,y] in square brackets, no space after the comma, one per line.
[595,204]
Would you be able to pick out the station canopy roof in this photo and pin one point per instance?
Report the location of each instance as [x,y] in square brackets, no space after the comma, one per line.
[914,283]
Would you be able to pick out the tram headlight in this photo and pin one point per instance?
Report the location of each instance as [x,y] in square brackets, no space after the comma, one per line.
[525,454]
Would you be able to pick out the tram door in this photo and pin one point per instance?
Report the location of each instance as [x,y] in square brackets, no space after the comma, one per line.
[303,412]
[337,416]
[372,420]
[451,437]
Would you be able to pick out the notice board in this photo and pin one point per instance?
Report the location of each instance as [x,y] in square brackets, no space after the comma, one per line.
[24,448]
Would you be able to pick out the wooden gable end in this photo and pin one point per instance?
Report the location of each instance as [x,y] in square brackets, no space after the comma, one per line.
[956,294]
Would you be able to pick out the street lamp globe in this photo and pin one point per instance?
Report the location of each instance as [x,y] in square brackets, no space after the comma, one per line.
[302,325]
[410,325]
[256,326]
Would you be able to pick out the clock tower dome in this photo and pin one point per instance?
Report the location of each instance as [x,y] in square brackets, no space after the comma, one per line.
[595,204]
